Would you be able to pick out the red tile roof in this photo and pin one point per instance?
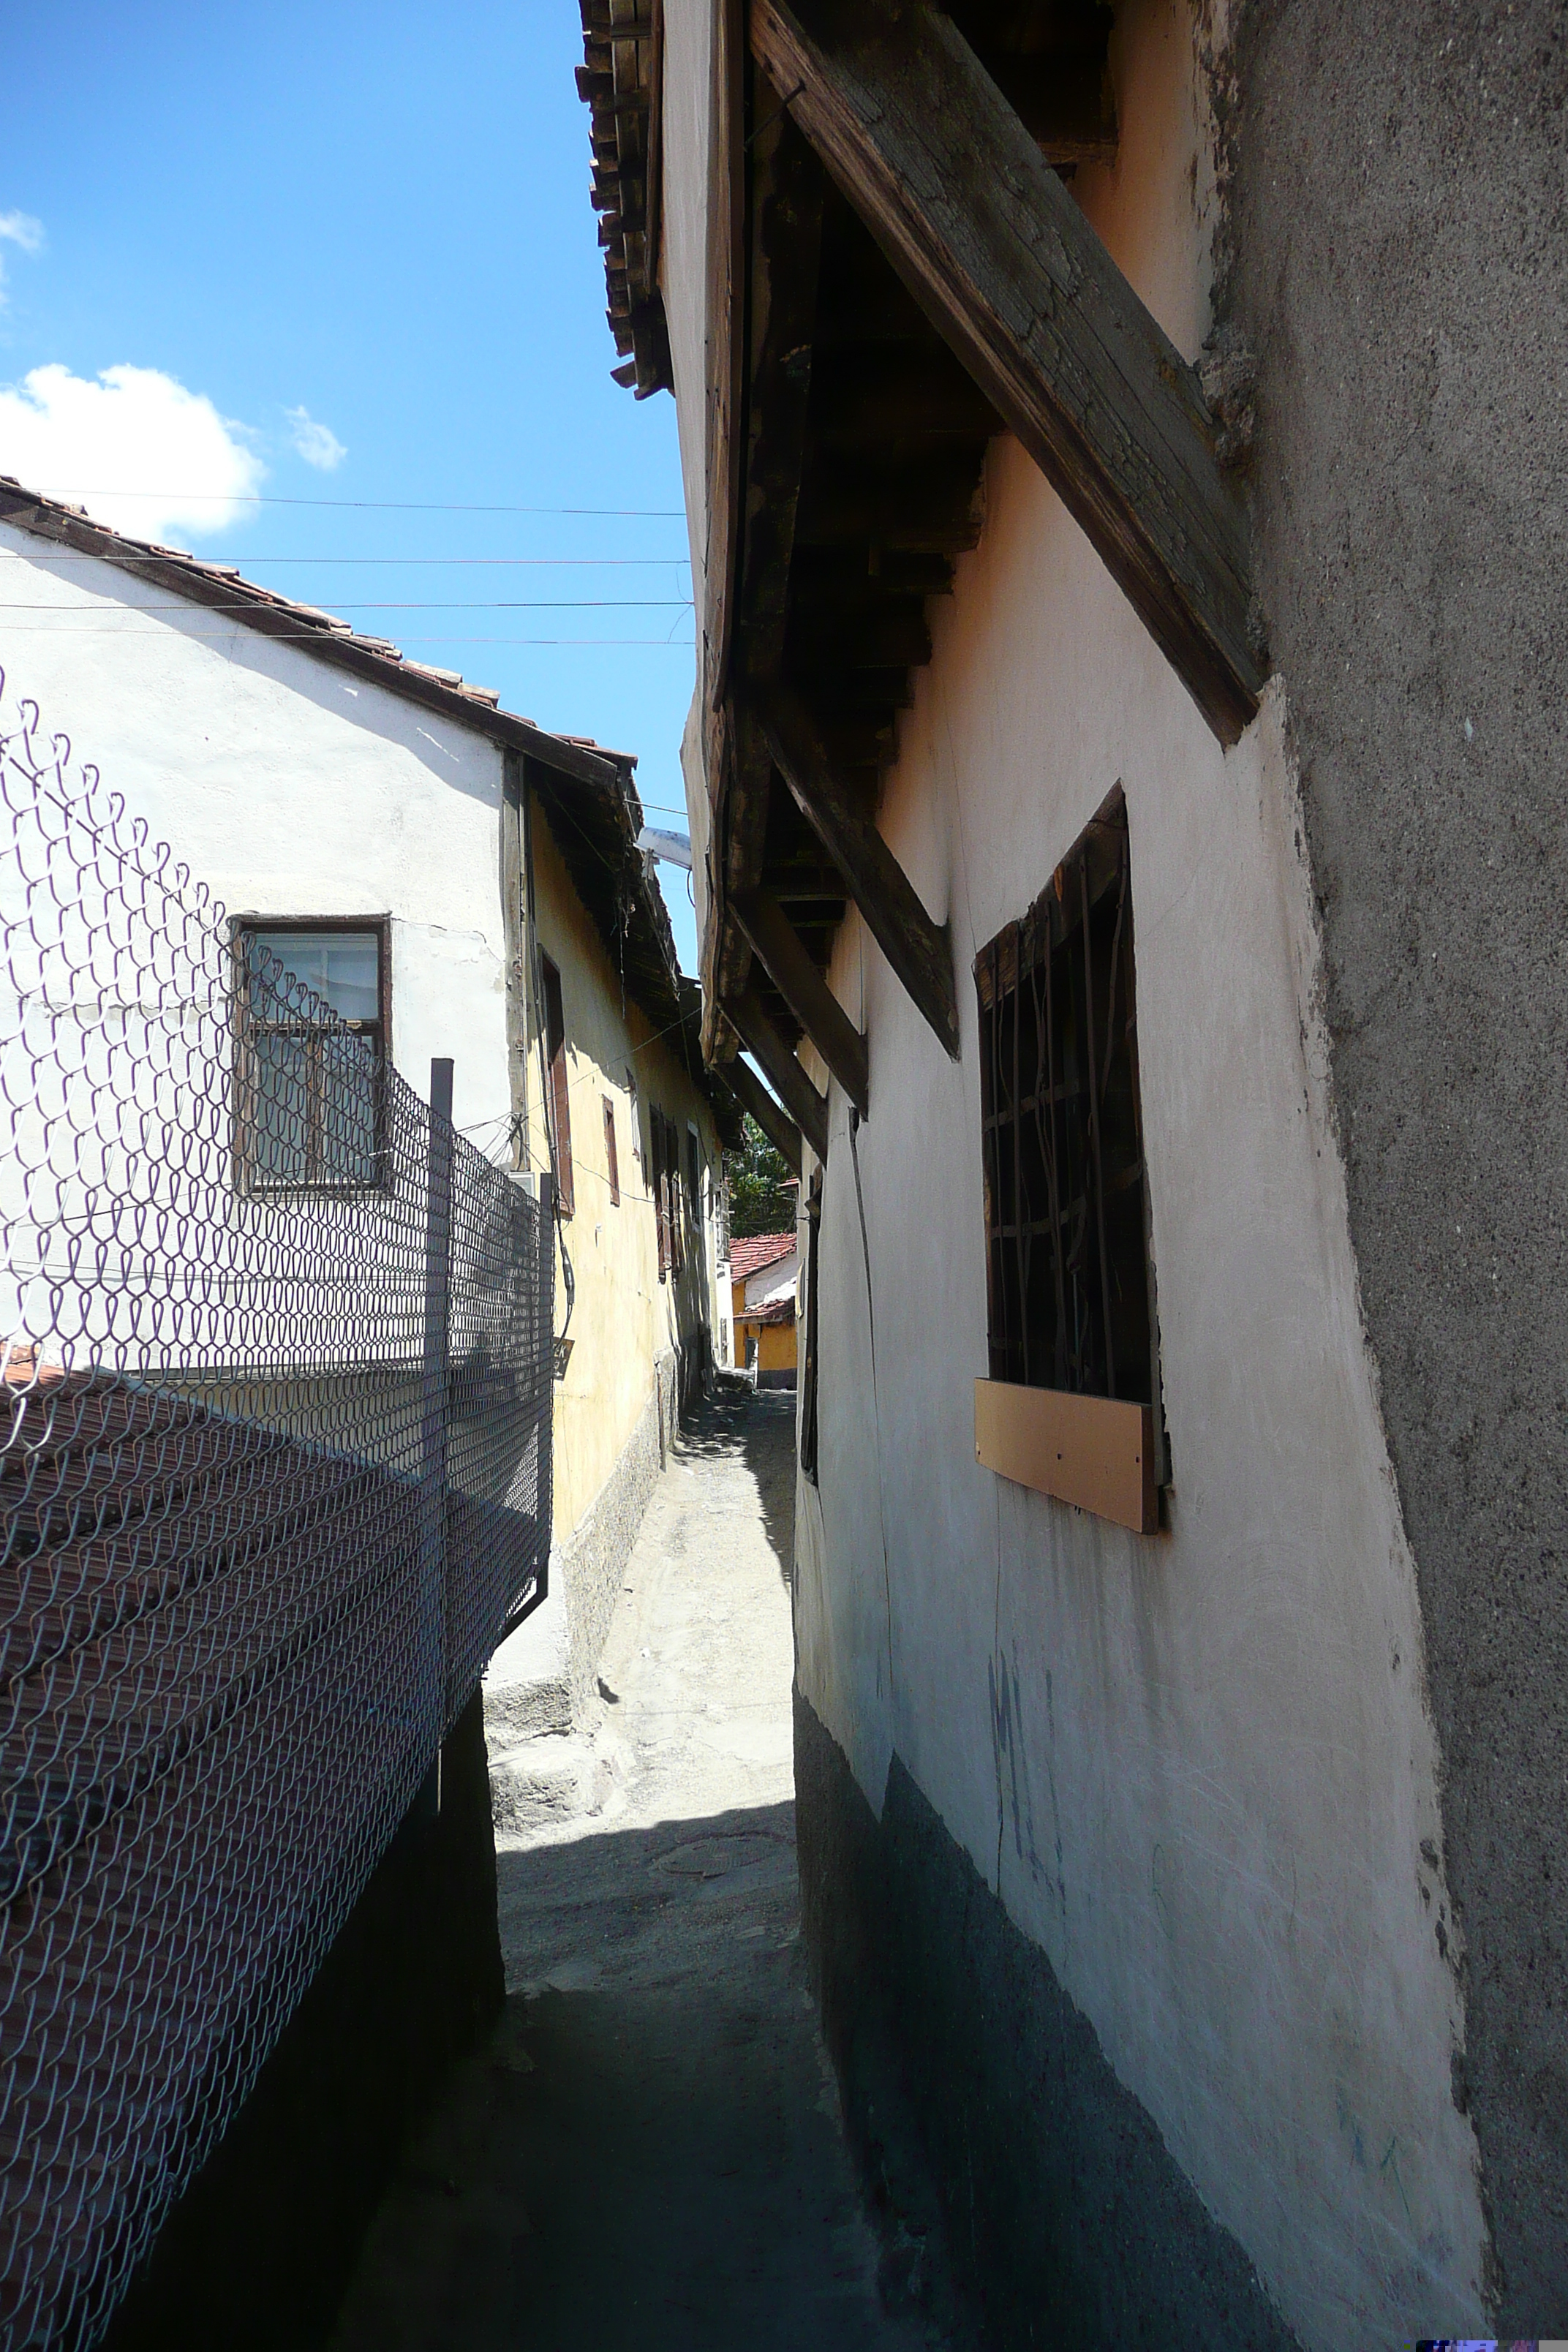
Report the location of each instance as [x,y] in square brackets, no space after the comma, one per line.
[748,1252]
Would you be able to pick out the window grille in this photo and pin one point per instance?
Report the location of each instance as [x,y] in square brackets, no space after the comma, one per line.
[612,1158]
[557,1104]
[1070,1290]
[311,1109]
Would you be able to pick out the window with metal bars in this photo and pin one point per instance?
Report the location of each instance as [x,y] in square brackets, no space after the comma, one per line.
[558,1096]
[1070,1287]
[313,1018]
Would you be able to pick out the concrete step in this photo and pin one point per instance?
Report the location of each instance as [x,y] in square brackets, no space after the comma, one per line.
[546,1783]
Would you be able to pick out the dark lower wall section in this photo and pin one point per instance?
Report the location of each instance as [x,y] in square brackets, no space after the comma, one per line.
[1067,2221]
[1399,272]
[256,2256]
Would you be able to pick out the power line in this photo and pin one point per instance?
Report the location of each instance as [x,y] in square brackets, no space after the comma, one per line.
[362,506]
[541,562]
[328,636]
[476,604]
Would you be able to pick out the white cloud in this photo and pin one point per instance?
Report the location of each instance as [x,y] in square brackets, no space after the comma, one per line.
[317,444]
[136,449]
[19,229]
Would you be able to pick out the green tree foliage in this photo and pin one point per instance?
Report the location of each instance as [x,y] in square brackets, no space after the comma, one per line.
[762,1189]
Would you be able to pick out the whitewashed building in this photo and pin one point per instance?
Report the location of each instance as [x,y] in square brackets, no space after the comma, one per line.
[1125,784]
[458,884]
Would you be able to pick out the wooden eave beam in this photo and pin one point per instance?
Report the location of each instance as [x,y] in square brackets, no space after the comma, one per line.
[754,1098]
[782,1070]
[1006,267]
[808,994]
[919,951]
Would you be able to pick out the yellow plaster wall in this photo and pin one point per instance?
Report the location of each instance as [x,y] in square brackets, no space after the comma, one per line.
[623,1319]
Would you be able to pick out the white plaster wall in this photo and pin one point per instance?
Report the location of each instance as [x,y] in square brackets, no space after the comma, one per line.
[773,1283]
[687,129]
[1199,1769]
[288,788]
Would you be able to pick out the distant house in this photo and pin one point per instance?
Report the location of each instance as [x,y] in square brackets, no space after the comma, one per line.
[460,883]
[763,1272]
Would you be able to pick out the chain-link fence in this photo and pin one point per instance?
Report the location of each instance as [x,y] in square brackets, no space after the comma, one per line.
[276,1478]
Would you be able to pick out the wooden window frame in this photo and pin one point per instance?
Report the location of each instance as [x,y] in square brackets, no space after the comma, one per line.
[811,1355]
[558,1090]
[242,929]
[612,1156]
[1072,1402]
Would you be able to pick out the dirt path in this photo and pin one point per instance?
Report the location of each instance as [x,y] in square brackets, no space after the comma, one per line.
[649,2154]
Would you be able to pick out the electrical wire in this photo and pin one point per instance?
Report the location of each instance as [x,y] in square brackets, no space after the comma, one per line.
[361,506]
[227,563]
[410,605]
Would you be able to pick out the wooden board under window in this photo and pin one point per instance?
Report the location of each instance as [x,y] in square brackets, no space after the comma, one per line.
[1096,1451]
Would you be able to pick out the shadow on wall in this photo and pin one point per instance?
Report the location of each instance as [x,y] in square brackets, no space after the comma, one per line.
[255,2255]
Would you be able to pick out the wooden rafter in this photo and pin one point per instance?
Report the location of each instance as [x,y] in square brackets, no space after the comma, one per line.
[805,992]
[1005,263]
[754,1099]
[919,950]
[783,1072]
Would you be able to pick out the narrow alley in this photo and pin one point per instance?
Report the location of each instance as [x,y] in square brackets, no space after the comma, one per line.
[649,2152]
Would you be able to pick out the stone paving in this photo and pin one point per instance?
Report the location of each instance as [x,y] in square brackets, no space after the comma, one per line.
[650,2153]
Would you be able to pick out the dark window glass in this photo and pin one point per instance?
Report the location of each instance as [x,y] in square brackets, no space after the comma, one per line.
[811,1370]
[557,1104]
[1070,1294]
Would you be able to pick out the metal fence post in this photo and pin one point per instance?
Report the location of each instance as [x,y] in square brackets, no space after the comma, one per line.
[434,1416]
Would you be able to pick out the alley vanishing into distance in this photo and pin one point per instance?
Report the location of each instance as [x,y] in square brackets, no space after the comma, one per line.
[649,2152]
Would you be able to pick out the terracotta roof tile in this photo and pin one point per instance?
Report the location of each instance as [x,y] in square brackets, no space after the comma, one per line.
[748,1252]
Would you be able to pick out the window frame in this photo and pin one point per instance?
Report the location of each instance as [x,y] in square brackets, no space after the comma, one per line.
[1072,1335]
[558,1084]
[242,929]
[612,1153]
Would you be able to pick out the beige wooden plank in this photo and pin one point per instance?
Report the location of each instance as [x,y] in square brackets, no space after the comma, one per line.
[1096,1451]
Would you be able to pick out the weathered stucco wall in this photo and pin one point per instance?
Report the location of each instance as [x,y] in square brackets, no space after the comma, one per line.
[625,1319]
[1399,233]
[1200,1769]
[289,790]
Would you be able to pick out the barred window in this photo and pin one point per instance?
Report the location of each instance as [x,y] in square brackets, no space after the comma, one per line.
[558,1096]
[313,1023]
[1070,1295]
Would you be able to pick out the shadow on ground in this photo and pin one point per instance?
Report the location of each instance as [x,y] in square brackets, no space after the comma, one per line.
[760,1426]
[648,2154]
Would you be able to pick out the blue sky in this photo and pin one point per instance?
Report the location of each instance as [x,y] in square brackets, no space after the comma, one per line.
[377,216]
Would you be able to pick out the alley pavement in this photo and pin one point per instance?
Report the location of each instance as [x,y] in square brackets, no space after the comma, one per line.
[649,2152]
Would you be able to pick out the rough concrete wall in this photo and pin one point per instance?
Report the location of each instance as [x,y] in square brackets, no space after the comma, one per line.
[257,2253]
[1398,228]
[949,2029]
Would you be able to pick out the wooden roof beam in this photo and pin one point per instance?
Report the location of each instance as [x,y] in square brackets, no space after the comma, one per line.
[754,1099]
[778,945]
[1006,267]
[919,951]
[783,1072]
